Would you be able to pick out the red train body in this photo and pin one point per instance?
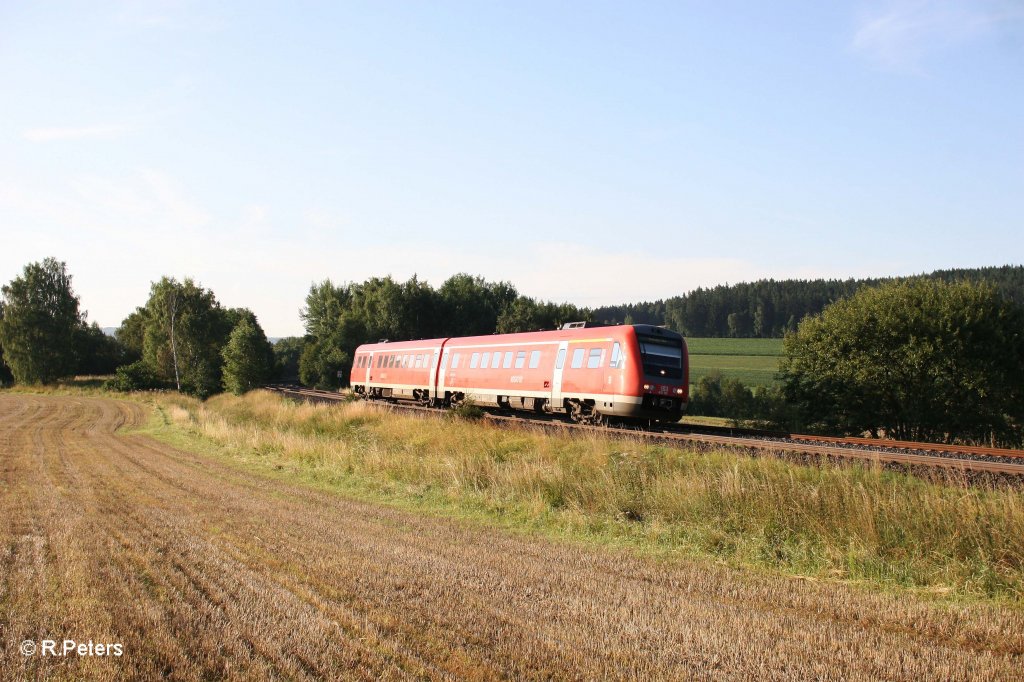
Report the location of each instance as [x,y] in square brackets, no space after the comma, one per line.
[591,373]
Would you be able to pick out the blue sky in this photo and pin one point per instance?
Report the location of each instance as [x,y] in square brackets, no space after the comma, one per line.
[592,152]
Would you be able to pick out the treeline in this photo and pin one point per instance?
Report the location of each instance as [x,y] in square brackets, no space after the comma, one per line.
[181,338]
[921,359]
[43,332]
[338,318]
[770,308]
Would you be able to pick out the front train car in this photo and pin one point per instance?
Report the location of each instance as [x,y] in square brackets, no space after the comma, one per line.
[660,376]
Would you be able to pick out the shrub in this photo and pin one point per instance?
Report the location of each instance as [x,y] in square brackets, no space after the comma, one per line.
[134,377]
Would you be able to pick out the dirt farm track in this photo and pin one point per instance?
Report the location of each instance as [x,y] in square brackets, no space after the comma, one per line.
[201,570]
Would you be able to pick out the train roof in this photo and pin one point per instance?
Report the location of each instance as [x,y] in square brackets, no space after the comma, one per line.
[611,332]
[400,345]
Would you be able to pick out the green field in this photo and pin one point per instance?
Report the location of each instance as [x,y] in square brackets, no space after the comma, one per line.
[708,346]
[755,362]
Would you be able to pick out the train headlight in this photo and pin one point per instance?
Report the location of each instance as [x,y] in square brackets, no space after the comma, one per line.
[679,391]
[647,387]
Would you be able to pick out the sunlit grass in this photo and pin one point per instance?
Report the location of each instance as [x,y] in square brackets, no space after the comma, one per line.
[853,522]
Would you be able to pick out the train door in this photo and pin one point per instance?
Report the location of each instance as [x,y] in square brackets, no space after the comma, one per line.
[369,368]
[440,375]
[556,378]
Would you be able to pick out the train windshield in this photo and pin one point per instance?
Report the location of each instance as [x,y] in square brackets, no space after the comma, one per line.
[661,357]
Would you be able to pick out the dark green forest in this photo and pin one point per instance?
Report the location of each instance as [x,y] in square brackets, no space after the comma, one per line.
[770,308]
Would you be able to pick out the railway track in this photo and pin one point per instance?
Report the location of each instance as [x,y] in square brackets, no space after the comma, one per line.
[970,459]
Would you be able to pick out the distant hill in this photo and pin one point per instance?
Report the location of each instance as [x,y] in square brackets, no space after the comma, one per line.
[768,308]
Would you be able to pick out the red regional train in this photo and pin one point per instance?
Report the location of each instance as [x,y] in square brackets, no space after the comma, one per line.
[592,374]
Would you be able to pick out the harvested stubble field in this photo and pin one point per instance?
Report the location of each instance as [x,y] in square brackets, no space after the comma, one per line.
[203,567]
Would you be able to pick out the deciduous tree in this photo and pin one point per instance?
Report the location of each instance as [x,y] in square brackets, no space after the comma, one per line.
[40,316]
[248,357]
[918,359]
[185,330]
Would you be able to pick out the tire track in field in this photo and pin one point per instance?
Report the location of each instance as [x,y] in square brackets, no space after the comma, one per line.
[205,570]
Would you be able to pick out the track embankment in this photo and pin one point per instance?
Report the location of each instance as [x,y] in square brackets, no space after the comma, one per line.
[201,570]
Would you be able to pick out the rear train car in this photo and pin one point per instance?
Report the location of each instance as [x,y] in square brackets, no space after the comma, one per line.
[592,374]
[404,369]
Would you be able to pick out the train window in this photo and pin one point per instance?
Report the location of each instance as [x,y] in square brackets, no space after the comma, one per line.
[444,361]
[577,358]
[508,359]
[616,356]
[475,358]
[486,359]
[419,360]
[520,359]
[405,360]
[535,359]
[596,358]
[455,360]
[560,360]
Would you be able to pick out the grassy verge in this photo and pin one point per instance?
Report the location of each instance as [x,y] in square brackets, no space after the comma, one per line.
[851,523]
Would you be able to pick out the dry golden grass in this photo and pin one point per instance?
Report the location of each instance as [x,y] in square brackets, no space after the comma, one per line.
[832,521]
[205,570]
